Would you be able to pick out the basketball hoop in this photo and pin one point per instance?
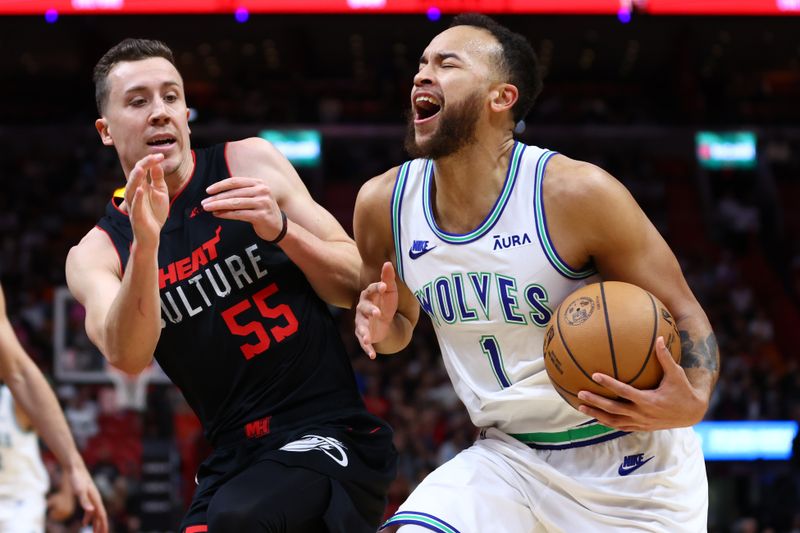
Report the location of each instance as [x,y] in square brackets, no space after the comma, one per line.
[130,390]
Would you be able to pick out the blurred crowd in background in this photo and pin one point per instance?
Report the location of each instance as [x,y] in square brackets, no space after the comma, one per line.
[626,97]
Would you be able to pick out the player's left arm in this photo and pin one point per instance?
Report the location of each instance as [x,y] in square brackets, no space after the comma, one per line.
[263,184]
[34,395]
[625,246]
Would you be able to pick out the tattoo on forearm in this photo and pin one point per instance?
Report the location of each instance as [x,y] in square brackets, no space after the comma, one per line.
[699,354]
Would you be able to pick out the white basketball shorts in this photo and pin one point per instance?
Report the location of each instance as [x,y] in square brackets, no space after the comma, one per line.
[643,481]
[21,514]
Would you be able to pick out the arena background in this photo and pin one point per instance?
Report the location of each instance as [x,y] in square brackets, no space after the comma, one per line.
[628,86]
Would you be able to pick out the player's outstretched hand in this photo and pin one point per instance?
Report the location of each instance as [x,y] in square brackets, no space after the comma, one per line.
[675,403]
[246,199]
[147,197]
[376,309]
[89,498]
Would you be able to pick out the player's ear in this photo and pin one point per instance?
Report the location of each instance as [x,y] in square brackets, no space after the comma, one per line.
[101,125]
[188,118]
[503,97]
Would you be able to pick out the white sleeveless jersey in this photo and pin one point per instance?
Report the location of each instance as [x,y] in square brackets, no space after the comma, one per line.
[22,472]
[490,293]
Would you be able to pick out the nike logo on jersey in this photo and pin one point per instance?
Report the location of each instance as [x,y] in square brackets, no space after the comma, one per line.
[327,445]
[418,249]
[631,463]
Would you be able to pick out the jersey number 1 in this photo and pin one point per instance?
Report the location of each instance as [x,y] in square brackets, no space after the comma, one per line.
[256,327]
[491,348]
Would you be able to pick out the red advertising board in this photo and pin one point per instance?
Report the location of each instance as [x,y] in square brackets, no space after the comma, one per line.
[723,7]
[656,7]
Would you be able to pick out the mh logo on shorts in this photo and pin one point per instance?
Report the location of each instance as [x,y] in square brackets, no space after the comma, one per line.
[327,445]
[631,463]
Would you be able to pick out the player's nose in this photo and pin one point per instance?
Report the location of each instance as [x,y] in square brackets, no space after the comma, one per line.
[159,113]
[423,77]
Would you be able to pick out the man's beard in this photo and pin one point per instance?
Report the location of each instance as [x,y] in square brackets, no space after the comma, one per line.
[456,130]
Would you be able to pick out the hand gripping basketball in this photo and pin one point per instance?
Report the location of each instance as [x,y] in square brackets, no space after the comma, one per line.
[609,328]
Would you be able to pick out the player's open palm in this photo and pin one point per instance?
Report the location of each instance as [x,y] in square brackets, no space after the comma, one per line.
[147,197]
[376,309]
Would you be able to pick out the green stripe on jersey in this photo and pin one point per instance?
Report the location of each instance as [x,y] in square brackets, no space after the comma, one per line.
[397,197]
[563,437]
[406,516]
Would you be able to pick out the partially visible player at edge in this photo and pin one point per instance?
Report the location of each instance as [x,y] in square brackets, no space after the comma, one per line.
[219,263]
[32,393]
[488,235]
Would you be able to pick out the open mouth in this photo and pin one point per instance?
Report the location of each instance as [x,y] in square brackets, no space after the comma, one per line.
[426,107]
[163,141]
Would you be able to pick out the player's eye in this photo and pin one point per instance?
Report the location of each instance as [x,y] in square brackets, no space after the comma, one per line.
[171,98]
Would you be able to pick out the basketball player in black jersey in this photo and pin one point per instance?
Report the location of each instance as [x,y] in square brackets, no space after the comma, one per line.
[219,263]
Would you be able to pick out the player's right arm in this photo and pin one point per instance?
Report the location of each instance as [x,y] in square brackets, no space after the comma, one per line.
[118,318]
[387,311]
[123,311]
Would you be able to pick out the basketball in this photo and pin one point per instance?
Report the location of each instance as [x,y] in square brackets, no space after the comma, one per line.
[609,327]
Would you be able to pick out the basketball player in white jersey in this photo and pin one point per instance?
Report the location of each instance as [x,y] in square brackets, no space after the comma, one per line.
[22,481]
[488,235]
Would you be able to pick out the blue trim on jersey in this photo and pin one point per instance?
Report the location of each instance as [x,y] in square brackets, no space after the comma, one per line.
[428,521]
[581,444]
[397,205]
[420,523]
[491,218]
[556,261]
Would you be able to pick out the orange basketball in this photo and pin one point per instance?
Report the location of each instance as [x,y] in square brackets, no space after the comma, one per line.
[609,327]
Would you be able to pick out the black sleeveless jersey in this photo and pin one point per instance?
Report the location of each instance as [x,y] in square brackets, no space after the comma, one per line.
[244,335]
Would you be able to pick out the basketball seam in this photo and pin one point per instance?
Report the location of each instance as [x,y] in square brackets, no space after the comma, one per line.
[608,330]
[560,388]
[652,340]
[569,352]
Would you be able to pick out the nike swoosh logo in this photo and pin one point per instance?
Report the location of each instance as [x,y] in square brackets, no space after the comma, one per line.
[625,471]
[326,445]
[415,255]
[341,460]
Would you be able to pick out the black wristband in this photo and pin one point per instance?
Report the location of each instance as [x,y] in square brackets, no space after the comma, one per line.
[282,234]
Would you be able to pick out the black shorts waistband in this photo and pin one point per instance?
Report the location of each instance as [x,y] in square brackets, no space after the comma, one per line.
[289,419]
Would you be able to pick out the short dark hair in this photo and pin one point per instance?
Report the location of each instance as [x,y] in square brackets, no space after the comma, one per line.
[519,61]
[127,50]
